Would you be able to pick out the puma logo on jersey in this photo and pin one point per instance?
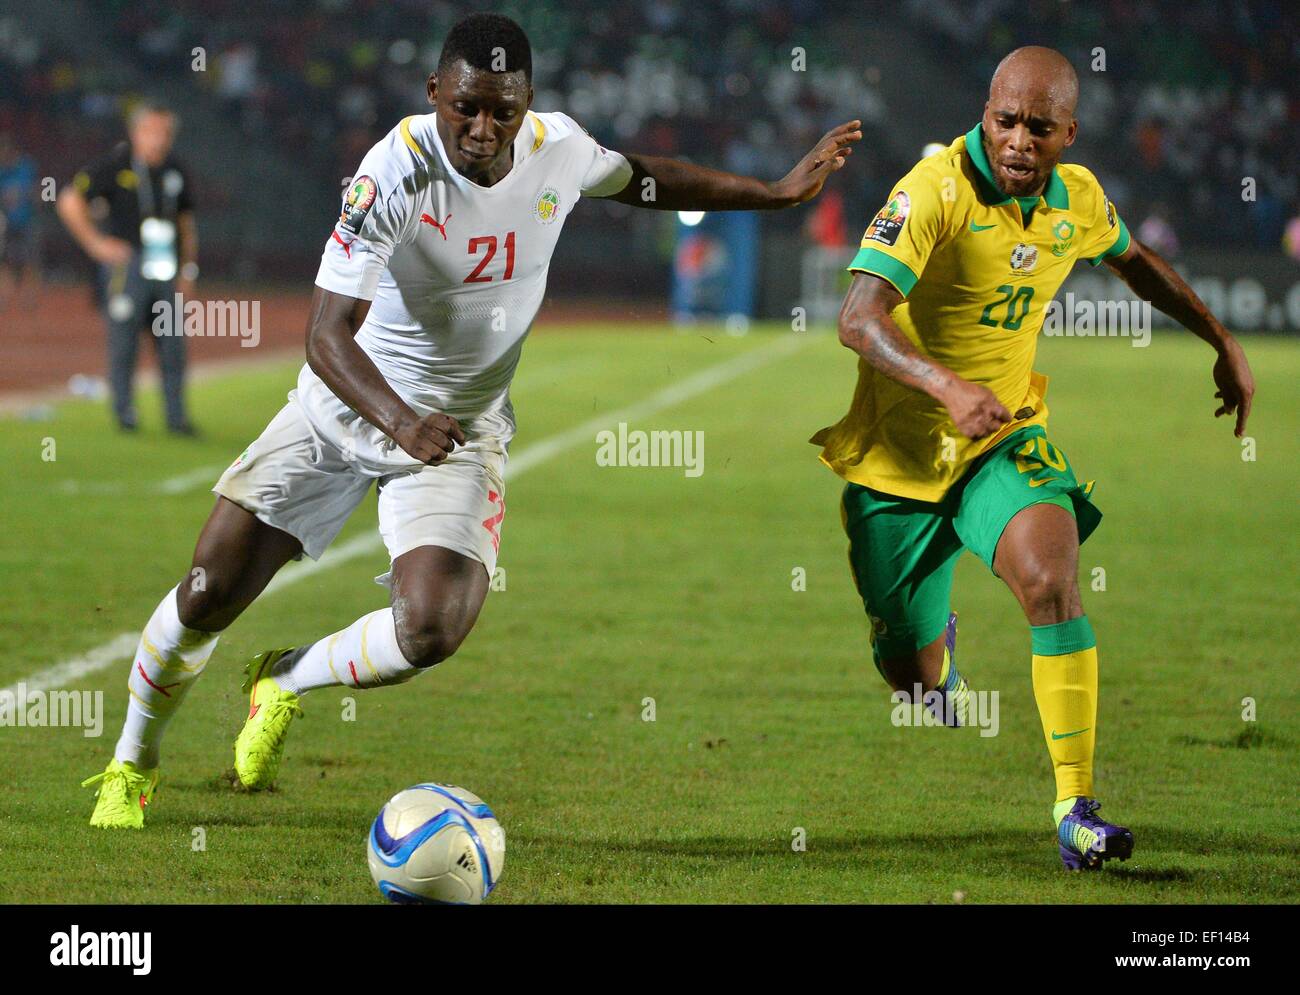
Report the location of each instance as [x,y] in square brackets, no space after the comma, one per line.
[441,226]
[347,246]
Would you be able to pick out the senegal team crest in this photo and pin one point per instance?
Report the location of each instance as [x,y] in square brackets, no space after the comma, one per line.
[1062,231]
[547,207]
[888,222]
[357,203]
[1024,257]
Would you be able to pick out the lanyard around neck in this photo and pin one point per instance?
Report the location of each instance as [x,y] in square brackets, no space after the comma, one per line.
[143,188]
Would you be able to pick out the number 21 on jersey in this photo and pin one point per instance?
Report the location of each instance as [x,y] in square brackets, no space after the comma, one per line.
[487,245]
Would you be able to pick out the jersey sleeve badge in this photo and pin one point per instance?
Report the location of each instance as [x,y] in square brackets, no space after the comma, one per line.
[356,205]
[888,222]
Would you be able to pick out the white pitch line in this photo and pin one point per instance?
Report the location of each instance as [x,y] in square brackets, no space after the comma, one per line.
[118,648]
[683,390]
[180,484]
[332,557]
[123,645]
[189,481]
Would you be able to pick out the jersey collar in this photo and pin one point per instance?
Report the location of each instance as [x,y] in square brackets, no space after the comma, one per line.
[1054,193]
[525,144]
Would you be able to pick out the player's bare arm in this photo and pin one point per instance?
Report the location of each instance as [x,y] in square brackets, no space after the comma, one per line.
[1154,280]
[684,186]
[866,327]
[335,357]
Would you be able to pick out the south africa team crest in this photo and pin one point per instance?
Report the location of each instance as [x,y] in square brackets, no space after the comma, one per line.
[1062,231]
[547,206]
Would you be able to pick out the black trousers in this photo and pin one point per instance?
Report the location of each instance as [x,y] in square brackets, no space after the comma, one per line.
[129,311]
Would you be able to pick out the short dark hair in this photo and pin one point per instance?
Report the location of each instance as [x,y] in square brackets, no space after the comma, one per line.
[482,40]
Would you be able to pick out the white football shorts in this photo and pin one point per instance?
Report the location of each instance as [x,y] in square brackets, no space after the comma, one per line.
[297,482]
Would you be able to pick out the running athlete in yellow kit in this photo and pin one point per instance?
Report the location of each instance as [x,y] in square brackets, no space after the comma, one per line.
[945,445]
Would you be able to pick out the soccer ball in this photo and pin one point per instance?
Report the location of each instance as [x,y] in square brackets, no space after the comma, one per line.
[436,844]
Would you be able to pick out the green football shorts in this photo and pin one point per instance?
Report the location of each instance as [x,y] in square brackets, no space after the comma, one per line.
[902,552]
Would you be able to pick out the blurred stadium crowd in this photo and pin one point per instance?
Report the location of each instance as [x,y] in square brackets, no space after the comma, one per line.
[1196,94]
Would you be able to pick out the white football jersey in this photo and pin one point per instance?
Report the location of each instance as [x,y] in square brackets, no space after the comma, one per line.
[455,271]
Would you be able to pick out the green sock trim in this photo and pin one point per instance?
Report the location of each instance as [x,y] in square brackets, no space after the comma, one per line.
[1063,637]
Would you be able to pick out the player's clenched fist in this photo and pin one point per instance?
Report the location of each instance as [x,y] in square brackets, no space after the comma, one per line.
[430,439]
[975,409]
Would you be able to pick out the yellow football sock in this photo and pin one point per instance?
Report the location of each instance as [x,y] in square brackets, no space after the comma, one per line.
[1065,688]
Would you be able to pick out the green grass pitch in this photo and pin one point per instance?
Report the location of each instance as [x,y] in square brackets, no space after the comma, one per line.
[626,584]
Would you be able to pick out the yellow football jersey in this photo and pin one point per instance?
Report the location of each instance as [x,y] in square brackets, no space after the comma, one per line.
[977,276]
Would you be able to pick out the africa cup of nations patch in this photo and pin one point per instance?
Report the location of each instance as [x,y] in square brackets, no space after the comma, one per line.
[886,225]
[547,207]
[1024,257]
[357,203]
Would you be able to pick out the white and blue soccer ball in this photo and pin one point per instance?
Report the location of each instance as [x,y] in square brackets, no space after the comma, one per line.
[436,844]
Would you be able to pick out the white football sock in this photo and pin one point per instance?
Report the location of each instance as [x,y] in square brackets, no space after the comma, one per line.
[168,660]
[364,655]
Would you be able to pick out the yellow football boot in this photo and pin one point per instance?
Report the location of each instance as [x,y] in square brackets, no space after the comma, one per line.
[270,710]
[124,792]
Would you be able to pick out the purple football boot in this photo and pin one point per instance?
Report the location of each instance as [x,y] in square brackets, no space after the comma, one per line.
[954,704]
[1087,842]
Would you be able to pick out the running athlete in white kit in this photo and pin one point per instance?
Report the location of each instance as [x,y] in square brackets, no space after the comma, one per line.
[426,289]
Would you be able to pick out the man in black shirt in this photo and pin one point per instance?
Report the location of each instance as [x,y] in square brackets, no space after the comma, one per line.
[146,246]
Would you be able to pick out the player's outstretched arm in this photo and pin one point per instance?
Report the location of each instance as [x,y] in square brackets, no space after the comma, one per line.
[335,357]
[682,186]
[866,327]
[1154,280]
